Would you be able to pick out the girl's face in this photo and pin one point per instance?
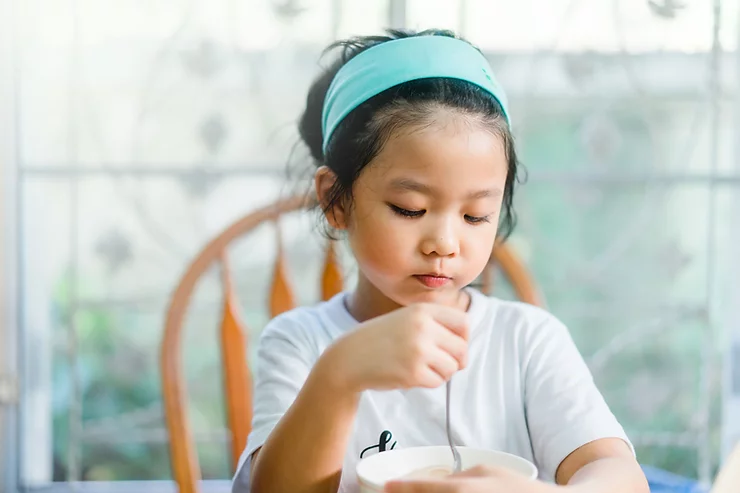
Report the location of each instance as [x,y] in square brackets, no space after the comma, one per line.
[425,212]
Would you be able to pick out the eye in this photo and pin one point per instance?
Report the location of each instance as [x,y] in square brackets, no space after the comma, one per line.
[477,219]
[405,212]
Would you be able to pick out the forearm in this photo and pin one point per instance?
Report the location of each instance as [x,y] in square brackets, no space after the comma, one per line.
[609,475]
[305,451]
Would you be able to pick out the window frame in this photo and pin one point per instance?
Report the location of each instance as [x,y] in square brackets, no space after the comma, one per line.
[9,328]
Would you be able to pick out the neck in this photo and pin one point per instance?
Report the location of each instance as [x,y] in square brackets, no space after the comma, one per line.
[367,302]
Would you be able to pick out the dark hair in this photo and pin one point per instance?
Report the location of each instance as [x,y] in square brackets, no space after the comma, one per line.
[362,134]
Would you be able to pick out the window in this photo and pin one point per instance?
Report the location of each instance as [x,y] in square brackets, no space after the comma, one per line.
[143,130]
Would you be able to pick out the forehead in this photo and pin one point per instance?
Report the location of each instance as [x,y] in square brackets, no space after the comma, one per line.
[452,153]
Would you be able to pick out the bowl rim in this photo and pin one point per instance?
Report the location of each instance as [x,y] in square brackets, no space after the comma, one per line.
[363,481]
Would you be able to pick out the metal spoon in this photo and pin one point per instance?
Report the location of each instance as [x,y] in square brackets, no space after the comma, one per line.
[455,454]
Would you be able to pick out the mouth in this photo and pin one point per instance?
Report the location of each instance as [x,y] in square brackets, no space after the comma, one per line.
[432,280]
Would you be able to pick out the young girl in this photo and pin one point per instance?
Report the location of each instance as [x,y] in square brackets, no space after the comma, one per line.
[417,167]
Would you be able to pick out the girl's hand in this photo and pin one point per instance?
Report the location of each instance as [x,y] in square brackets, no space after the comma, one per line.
[479,479]
[420,345]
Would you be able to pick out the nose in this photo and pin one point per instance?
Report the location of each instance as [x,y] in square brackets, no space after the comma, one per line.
[441,240]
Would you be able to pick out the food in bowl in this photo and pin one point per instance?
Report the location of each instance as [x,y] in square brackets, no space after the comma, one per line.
[430,472]
[375,471]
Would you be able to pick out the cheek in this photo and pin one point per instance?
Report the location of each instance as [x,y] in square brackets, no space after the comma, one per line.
[380,240]
[479,245]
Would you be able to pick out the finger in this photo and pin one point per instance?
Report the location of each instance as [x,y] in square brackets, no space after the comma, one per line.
[428,379]
[454,345]
[442,363]
[451,318]
[421,487]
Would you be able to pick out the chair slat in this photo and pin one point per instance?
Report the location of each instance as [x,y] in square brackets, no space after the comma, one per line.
[331,279]
[236,374]
[281,294]
[518,276]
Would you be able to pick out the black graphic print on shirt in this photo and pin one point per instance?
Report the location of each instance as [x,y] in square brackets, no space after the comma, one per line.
[382,445]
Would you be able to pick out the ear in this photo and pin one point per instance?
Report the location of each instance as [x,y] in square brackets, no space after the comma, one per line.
[324,181]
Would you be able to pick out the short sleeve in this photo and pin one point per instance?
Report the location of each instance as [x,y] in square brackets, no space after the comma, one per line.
[564,408]
[284,359]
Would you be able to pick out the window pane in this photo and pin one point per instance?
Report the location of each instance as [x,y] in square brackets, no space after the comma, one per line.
[46,221]
[174,84]
[433,14]
[95,310]
[633,26]
[360,17]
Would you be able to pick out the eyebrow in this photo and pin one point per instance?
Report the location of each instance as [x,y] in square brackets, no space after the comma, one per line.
[408,185]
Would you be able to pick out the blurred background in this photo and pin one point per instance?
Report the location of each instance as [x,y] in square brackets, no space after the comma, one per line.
[132,132]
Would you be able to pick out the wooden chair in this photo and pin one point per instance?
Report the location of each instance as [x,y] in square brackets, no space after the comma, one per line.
[236,373]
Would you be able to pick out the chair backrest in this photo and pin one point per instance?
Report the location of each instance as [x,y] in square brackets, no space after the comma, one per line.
[236,373]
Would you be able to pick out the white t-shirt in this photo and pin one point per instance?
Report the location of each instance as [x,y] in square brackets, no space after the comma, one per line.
[526,389]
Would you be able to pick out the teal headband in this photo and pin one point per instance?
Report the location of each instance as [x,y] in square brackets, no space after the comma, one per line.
[402,60]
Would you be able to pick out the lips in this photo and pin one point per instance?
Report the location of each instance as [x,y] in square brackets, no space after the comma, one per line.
[433,280]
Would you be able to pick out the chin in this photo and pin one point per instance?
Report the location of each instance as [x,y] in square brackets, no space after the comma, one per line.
[438,296]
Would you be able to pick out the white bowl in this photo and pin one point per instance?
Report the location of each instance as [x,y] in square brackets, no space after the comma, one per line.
[374,471]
